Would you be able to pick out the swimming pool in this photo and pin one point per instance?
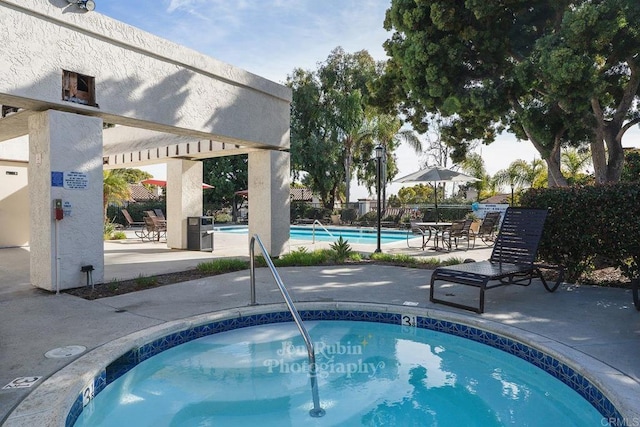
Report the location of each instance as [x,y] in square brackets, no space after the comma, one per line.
[360,235]
[436,373]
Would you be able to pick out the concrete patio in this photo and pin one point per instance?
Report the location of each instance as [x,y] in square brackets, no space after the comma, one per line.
[598,328]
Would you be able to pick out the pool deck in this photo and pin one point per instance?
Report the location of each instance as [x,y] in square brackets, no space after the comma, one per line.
[596,327]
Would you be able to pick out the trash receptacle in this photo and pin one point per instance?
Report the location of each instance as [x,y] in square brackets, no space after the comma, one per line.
[200,233]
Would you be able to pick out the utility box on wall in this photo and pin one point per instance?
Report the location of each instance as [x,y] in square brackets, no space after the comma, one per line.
[200,233]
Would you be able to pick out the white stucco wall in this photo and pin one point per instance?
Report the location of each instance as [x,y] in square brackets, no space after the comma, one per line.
[184,199]
[14,205]
[64,142]
[269,190]
[14,195]
[141,80]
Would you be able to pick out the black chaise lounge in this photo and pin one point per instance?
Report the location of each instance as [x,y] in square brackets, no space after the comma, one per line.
[512,259]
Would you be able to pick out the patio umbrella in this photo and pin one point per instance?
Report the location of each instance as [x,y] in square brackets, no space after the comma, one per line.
[163,183]
[434,175]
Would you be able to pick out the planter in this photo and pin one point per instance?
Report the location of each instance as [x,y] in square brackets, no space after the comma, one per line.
[335,219]
[635,285]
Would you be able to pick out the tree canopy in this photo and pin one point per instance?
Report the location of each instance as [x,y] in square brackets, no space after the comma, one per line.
[334,130]
[555,72]
[227,175]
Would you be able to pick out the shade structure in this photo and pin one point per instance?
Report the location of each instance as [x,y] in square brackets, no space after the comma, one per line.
[163,183]
[434,175]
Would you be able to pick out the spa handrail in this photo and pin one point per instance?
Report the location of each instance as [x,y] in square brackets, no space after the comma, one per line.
[316,411]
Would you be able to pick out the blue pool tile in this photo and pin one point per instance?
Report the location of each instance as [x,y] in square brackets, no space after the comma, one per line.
[538,358]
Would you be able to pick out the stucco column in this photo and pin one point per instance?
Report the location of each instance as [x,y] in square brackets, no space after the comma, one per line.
[269,199]
[184,199]
[65,162]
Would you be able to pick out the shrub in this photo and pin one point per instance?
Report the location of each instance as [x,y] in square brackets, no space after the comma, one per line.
[119,235]
[222,217]
[341,250]
[348,215]
[110,231]
[223,265]
[369,217]
[145,281]
[592,223]
[302,257]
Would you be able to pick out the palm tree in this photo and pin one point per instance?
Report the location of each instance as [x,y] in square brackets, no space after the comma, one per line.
[574,162]
[356,132]
[514,176]
[535,173]
[388,133]
[473,164]
[115,189]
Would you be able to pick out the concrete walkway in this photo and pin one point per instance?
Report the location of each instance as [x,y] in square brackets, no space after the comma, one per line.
[599,327]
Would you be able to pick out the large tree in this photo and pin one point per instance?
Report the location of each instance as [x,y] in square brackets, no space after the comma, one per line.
[316,156]
[556,72]
[333,131]
[228,175]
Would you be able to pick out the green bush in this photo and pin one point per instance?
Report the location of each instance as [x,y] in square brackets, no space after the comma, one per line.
[348,215]
[341,250]
[119,235]
[222,217]
[370,217]
[302,257]
[111,232]
[589,224]
[224,265]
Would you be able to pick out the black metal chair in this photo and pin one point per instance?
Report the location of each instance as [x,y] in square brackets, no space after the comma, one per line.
[512,260]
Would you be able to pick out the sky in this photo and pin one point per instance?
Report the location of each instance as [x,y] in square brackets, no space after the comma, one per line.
[271,38]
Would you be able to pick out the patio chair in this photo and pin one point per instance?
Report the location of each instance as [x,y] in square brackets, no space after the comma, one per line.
[155,228]
[417,231]
[159,214]
[146,232]
[459,230]
[511,262]
[129,219]
[487,230]
[391,217]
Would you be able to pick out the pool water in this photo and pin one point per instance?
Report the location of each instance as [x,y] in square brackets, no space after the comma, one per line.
[331,234]
[369,374]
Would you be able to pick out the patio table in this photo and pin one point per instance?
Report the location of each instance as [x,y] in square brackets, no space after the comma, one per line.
[435,230]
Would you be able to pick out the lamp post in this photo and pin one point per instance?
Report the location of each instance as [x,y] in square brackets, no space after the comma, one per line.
[380,152]
[512,185]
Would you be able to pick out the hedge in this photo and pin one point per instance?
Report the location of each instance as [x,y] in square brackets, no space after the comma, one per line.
[588,224]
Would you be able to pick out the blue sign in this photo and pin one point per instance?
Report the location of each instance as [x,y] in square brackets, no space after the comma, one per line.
[57,179]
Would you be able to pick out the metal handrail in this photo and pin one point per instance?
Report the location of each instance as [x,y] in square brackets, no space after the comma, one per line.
[313,234]
[316,411]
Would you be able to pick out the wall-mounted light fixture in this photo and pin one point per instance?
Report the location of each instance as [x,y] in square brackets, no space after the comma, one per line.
[87,5]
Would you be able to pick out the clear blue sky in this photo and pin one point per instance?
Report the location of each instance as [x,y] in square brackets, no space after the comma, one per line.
[273,37]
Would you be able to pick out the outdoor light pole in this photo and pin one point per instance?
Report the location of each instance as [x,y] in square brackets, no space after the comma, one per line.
[379,156]
[512,193]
